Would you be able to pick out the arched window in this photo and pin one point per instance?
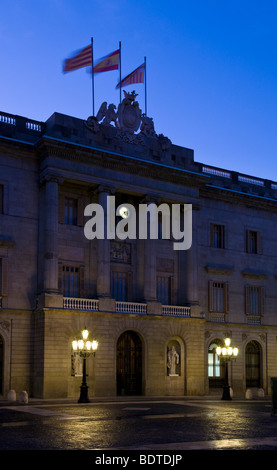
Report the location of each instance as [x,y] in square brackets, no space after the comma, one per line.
[213,360]
[253,364]
[215,369]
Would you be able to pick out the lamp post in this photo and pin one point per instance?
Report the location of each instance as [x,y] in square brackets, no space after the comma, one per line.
[84,348]
[227,353]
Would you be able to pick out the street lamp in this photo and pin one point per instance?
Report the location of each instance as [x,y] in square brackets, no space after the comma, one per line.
[227,353]
[84,348]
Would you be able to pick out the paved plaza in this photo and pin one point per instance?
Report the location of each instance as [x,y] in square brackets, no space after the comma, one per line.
[156,425]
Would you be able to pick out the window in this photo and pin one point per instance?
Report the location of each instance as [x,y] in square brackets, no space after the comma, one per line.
[164,289]
[254,300]
[70,210]
[218,297]
[253,364]
[1,198]
[217,236]
[70,281]
[253,242]
[213,361]
[120,285]
[3,277]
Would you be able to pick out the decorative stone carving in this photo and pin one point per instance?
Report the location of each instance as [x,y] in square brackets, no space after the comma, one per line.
[120,252]
[147,126]
[5,325]
[92,124]
[128,119]
[131,138]
[107,114]
[165,142]
[129,113]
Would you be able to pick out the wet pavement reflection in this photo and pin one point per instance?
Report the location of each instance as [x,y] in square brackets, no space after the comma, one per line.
[142,424]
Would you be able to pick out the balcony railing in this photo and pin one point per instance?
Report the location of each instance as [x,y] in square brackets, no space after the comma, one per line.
[72,303]
[175,311]
[130,307]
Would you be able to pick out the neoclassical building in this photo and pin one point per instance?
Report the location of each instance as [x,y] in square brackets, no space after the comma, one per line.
[157,313]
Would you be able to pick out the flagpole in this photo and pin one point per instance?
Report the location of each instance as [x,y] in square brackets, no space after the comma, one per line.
[145,95]
[92,76]
[120,71]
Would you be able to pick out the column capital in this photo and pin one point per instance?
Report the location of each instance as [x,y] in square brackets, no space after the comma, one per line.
[102,188]
[51,176]
[150,198]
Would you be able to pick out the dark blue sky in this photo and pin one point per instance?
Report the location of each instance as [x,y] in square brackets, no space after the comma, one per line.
[211,69]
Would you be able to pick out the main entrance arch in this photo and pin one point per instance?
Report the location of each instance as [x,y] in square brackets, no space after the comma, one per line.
[129,364]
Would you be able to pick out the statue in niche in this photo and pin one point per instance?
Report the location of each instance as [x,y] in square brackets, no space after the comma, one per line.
[173,359]
[77,365]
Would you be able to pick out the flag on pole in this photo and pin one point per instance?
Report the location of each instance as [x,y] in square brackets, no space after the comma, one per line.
[107,63]
[82,58]
[137,76]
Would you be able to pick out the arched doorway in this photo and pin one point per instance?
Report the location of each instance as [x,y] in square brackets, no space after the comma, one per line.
[215,367]
[1,364]
[129,364]
[253,364]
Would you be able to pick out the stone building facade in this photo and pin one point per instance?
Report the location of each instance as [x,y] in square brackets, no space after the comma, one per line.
[141,299]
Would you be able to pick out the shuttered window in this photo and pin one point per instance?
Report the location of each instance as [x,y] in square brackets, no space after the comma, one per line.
[3,277]
[71,280]
[218,297]
[121,285]
[254,300]
[253,242]
[217,236]
[165,289]
[70,210]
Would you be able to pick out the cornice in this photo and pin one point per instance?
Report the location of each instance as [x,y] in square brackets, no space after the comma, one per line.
[238,197]
[49,146]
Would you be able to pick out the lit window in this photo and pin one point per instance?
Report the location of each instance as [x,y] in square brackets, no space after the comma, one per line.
[213,361]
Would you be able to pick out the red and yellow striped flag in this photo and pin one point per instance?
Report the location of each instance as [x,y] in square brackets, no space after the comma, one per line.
[137,76]
[83,58]
[109,62]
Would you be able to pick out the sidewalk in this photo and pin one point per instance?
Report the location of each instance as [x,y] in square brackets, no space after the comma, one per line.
[140,398]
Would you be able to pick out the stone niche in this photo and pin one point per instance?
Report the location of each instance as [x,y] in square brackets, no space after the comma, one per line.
[174,379]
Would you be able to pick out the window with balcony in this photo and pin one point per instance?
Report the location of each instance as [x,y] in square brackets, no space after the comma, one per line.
[71,280]
[164,287]
[120,285]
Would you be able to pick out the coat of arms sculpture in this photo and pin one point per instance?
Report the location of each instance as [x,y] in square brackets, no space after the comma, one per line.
[128,119]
